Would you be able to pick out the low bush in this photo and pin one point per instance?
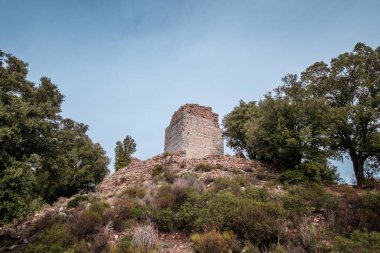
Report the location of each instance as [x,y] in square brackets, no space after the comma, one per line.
[159,172]
[119,214]
[86,224]
[311,172]
[100,243]
[53,240]
[134,192]
[164,219]
[165,197]
[123,246]
[206,167]
[168,176]
[231,184]
[311,199]
[364,242]
[137,213]
[99,207]
[359,211]
[256,221]
[256,193]
[48,220]
[215,242]
[79,247]
[74,203]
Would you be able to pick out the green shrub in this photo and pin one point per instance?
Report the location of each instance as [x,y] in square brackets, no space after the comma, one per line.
[99,207]
[137,213]
[164,219]
[256,193]
[370,210]
[256,221]
[74,203]
[48,220]
[305,200]
[364,242]
[186,216]
[87,223]
[165,197]
[311,172]
[296,205]
[53,240]
[231,184]
[124,245]
[79,247]
[293,177]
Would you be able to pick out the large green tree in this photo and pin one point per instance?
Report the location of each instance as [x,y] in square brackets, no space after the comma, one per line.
[331,111]
[281,129]
[54,155]
[350,87]
[123,152]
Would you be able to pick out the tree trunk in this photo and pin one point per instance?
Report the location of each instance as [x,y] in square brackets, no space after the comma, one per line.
[358,164]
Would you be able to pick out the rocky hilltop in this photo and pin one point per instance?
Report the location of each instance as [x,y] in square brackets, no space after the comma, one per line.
[207,168]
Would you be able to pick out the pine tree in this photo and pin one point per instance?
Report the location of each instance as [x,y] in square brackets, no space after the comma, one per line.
[123,152]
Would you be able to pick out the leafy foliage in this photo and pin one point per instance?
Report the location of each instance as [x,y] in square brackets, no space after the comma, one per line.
[124,151]
[42,155]
[327,112]
[17,195]
[54,240]
[366,242]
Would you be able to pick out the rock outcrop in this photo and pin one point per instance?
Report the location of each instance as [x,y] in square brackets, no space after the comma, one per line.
[141,171]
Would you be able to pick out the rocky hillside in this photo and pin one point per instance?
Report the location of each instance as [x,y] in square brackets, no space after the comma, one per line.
[204,169]
[218,204]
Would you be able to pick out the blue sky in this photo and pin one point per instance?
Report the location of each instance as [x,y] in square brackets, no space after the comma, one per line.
[126,66]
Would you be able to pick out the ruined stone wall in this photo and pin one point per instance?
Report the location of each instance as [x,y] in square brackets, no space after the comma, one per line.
[195,130]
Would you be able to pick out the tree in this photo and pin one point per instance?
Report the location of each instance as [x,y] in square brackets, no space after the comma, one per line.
[350,87]
[123,152]
[42,155]
[235,125]
[330,111]
[75,164]
[281,129]
[17,192]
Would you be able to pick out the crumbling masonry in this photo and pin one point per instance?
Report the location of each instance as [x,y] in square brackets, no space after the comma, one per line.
[194,130]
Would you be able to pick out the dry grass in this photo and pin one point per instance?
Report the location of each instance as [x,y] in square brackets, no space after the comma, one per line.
[145,237]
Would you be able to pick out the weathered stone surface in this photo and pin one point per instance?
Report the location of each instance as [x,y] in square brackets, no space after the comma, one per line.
[194,130]
[141,171]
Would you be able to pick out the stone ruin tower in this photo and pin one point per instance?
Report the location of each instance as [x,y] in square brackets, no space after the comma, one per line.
[194,130]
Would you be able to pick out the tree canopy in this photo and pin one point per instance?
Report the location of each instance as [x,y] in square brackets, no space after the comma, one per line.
[330,111]
[42,154]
